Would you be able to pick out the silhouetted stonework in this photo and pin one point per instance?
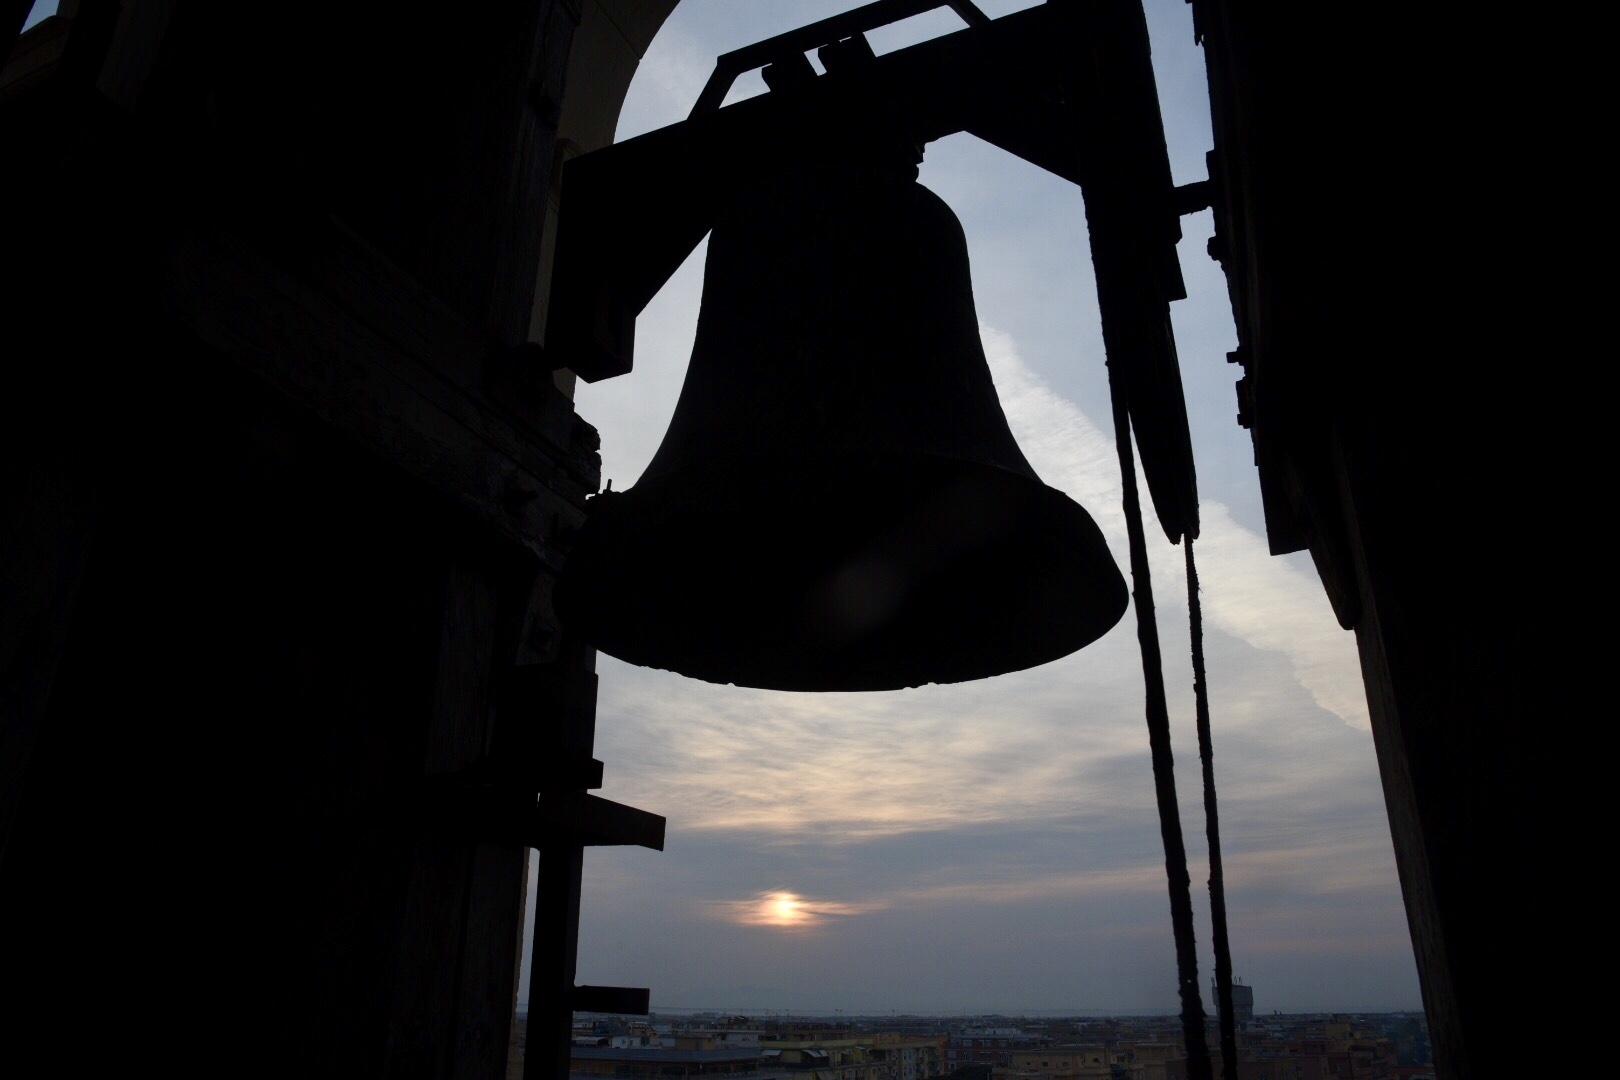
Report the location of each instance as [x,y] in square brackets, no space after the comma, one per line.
[284,494]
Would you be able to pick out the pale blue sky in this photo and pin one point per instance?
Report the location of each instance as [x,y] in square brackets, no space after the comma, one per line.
[40,10]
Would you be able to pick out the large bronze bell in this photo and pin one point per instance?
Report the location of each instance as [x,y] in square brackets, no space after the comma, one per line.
[838,503]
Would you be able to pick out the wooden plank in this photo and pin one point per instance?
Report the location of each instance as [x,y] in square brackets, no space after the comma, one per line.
[553,963]
[553,956]
[575,817]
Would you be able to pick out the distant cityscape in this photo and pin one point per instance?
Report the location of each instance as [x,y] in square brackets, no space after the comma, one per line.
[713,1044]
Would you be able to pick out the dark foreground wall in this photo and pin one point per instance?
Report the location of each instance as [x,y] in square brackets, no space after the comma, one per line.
[1408,353]
[282,503]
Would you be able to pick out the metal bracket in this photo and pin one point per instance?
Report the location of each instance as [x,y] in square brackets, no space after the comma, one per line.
[795,43]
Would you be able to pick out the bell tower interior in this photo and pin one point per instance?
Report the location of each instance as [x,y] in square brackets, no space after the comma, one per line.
[291,468]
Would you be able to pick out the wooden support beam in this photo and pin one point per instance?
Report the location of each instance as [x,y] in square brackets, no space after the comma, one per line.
[562,824]
[553,962]
[575,818]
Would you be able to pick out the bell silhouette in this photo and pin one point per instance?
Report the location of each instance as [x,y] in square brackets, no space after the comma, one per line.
[838,503]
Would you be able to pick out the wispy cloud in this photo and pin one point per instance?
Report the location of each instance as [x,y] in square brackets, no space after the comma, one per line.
[1246,591]
[1072,887]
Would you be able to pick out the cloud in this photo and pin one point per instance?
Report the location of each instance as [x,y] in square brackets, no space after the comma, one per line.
[1272,605]
[1245,590]
[984,917]
[1070,886]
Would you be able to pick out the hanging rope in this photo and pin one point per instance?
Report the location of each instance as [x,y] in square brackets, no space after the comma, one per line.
[1164,780]
[1212,828]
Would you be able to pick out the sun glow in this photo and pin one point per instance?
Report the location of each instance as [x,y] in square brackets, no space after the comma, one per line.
[783,910]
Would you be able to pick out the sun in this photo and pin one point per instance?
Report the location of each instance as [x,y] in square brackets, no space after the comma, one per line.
[783,909]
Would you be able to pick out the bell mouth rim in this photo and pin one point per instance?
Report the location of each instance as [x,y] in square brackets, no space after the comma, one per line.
[827,579]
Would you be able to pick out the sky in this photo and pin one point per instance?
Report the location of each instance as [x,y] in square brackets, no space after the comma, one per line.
[41,9]
[993,846]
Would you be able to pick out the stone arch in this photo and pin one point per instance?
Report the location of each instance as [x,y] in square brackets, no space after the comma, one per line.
[606,50]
